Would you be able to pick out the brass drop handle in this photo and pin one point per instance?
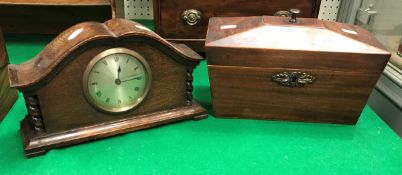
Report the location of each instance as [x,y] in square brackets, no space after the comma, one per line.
[191,16]
[283,13]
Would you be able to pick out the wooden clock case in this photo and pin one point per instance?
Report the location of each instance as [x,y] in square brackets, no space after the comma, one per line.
[59,114]
[8,95]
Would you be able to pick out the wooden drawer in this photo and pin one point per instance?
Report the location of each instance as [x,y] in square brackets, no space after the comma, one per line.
[170,24]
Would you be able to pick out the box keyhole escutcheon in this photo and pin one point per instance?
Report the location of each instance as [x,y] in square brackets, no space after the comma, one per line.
[293,79]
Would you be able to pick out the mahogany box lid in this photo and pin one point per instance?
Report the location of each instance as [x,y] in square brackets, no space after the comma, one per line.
[271,35]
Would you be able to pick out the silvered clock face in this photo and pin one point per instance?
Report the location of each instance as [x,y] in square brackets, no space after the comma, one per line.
[117,80]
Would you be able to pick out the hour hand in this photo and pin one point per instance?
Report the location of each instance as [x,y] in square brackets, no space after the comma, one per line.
[132,78]
[118,72]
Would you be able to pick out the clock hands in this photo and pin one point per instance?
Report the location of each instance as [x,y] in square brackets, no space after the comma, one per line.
[118,72]
[132,78]
[118,81]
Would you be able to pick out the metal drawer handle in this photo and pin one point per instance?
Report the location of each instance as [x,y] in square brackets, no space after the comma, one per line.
[191,16]
[283,13]
[293,79]
[292,14]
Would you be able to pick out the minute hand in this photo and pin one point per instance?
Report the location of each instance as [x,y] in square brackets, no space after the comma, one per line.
[131,78]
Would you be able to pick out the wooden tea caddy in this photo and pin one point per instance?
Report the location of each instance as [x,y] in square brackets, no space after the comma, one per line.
[57,84]
[296,69]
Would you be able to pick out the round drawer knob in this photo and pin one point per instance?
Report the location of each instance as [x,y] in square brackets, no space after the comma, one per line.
[293,16]
[191,16]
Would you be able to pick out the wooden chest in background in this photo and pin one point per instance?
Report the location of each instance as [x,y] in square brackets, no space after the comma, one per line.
[309,70]
[187,21]
[50,16]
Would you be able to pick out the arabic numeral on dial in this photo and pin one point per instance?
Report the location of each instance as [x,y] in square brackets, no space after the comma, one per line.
[128,59]
[131,98]
[99,93]
[116,58]
[107,100]
[104,62]
[119,102]
[94,83]
[136,88]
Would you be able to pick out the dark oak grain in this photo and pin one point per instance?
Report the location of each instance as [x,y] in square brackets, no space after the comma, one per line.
[345,60]
[170,25]
[52,85]
[8,95]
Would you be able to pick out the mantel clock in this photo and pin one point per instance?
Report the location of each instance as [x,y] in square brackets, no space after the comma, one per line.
[101,79]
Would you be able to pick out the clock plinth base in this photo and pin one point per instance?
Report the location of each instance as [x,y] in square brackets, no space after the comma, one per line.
[200,117]
[30,154]
[26,134]
[35,145]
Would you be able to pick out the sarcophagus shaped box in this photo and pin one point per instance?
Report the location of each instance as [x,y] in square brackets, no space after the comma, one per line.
[284,68]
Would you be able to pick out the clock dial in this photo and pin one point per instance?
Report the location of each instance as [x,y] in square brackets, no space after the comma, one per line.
[117,80]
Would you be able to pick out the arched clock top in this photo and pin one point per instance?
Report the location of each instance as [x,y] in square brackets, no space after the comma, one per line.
[55,55]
